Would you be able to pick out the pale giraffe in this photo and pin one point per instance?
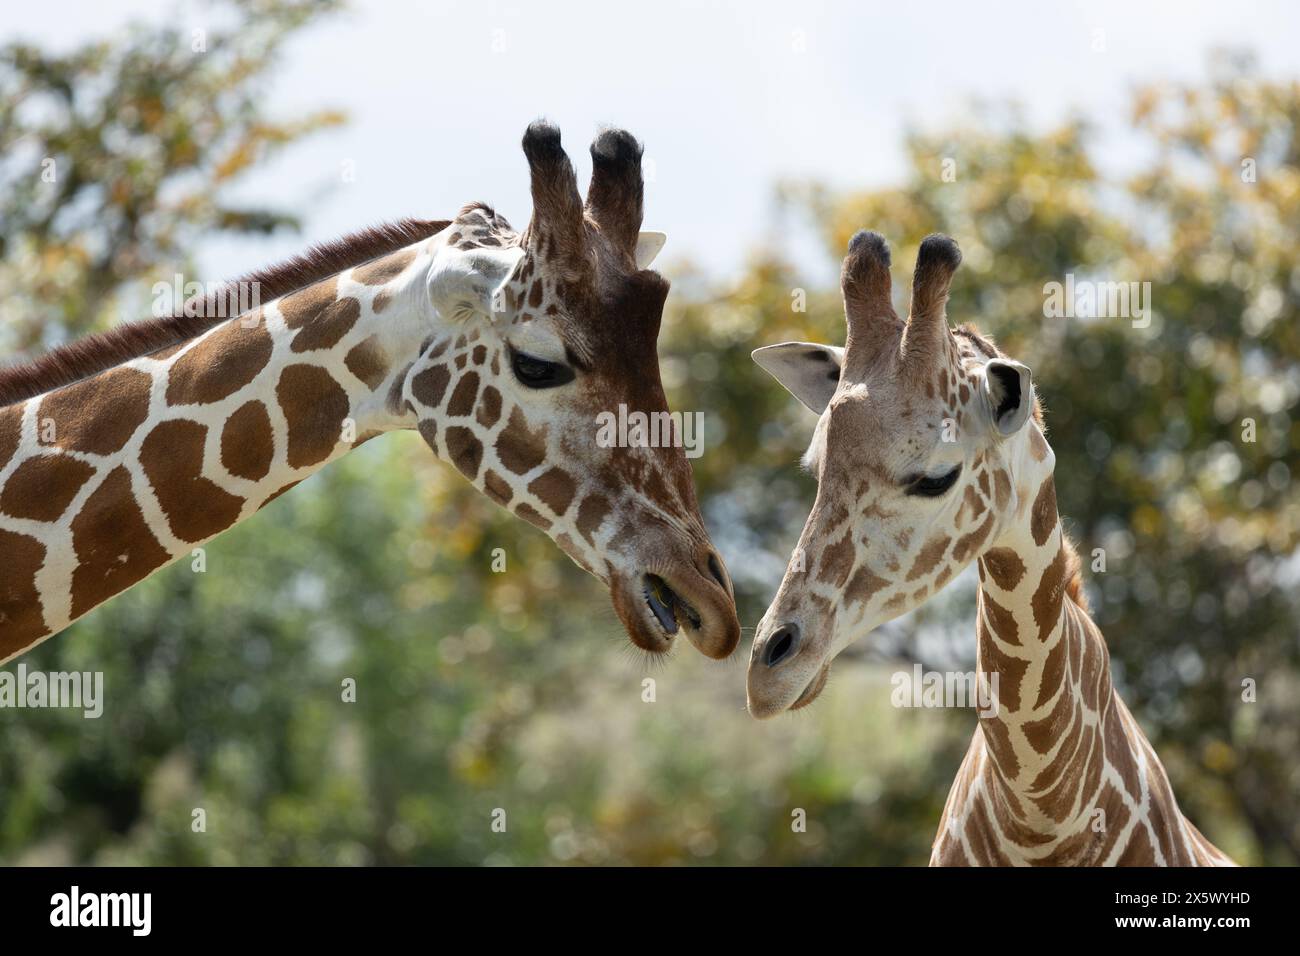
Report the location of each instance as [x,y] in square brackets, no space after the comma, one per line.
[930,454]
[123,452]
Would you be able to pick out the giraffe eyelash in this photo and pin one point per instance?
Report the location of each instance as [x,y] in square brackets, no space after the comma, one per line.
[927,487]
[534,372]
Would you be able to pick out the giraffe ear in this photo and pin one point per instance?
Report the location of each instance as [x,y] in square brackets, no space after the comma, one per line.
[648,245]
[809,372]
[1009,394]
[465,282]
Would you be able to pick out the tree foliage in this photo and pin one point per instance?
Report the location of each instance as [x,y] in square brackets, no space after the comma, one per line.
[119,155]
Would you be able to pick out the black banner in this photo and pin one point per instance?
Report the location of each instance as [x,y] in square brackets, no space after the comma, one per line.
[333,906]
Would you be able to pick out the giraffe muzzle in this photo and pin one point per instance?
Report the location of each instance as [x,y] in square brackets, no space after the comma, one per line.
[667,605]
[689,596]
[788,669]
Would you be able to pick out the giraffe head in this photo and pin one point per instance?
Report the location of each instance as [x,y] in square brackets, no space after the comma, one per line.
[927,449]
[541,336]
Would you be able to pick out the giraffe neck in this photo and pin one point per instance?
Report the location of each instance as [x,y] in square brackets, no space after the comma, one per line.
[1059,772]
[1050,668]
[104,481]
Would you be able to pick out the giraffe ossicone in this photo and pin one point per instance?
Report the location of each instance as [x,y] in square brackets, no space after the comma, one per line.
[122,452]
[930,455]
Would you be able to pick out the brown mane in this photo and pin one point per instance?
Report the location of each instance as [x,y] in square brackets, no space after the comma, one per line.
[99,352]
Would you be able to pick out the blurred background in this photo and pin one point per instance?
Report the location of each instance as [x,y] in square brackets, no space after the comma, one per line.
[1119,142]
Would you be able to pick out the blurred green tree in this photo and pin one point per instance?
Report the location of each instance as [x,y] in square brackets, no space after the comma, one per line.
[119,155]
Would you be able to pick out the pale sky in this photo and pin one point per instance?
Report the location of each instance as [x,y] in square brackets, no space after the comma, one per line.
[727,97]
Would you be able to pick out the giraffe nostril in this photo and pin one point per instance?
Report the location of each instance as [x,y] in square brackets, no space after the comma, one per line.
[715,569]
[781,645]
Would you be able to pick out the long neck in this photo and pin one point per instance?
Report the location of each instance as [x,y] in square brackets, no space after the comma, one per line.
[1060,772]
[106,480]
[1051,671]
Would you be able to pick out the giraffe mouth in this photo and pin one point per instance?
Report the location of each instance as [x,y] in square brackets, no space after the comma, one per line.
[666,605]
[815,687]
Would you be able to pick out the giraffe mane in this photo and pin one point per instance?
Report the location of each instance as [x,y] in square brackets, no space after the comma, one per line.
[101,351]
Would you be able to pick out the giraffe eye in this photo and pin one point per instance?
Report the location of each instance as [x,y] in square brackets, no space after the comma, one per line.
[928,487]
[533,372]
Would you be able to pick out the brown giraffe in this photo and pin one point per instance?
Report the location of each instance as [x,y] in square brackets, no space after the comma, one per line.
[121,453]
[929,454]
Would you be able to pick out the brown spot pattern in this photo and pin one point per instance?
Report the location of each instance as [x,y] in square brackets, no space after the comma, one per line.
[98,415]
[381,271]
[969,544]
[366,360]
[555,489]
[247,443]
[21,616]
[1046,602]
[1042,517]
[1001,620]
[11,422]
[971,499]
[314,407]
[463,395]
[114,546]
[998,738]
[327,328]
[533,516]
[172,458]
[489,407]
[837,561]
[42,487]
[299,308]
[1004,567]
[980,835]
[930,555]
[430,385]
[220,365]
[591,514]
[1139,851]
[520,448]
[864,585]
[1010,671]
[1042,734]
[1053,671]
[1001,489]
[466,451]
[1037,444]
[497,488]
[1120,754]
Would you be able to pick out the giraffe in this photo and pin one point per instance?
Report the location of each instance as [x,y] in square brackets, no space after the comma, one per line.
[123,452]
[930,455]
